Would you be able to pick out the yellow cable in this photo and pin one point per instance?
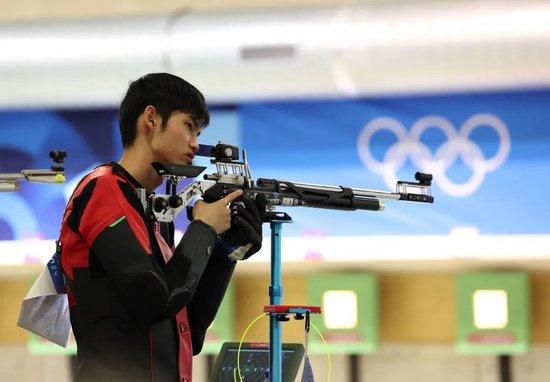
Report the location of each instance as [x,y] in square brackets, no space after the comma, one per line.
[238,370]
[326,350]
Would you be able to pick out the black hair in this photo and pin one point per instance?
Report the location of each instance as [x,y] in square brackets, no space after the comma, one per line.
[167,93]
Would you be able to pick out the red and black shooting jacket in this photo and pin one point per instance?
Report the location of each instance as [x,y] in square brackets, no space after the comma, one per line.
[136,315]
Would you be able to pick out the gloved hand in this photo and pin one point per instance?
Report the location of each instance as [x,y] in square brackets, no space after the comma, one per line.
[244,238]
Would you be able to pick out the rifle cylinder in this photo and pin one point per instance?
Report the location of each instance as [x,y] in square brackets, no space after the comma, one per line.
[275,199]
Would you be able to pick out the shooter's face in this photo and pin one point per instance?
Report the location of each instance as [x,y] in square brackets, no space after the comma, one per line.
[177,143]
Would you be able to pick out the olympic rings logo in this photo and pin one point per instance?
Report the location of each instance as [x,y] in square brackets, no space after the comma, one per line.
[457,145]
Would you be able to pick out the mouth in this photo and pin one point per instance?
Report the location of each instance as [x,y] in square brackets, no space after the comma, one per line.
[189,158]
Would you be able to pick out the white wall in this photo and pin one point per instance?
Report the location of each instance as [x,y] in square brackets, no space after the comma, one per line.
[427,363]
[392,363]
[534,366]
[16,364]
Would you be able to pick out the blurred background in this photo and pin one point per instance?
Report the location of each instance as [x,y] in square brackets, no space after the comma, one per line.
[352,93]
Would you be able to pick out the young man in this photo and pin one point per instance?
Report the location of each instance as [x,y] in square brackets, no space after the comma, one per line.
[139,308]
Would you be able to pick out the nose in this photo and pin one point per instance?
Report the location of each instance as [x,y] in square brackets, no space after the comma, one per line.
[194,145]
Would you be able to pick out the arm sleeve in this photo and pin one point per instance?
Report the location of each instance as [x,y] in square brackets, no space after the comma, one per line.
[118,238]
[210,291]
[150,294]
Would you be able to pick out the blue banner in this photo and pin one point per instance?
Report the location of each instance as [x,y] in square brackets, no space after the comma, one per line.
[90,137]
[489,153]
[26,138]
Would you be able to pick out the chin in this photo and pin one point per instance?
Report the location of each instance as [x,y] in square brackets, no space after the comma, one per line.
[180,162]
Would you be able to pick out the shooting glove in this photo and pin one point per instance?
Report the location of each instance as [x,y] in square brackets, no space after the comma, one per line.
[244,238]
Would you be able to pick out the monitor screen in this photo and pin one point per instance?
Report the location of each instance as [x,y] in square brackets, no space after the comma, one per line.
[254,362]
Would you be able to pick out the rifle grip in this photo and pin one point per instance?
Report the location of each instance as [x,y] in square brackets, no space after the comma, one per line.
[218,191]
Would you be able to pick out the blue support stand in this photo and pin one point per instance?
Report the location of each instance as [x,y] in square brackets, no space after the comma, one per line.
[276,220]
[277,312]
[275,298]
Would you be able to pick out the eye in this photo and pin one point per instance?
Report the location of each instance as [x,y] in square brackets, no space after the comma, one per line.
[189,126]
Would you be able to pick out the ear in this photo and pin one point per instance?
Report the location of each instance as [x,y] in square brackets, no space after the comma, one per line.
[150,116]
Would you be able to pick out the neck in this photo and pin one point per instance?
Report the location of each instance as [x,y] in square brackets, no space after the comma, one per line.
[138,164]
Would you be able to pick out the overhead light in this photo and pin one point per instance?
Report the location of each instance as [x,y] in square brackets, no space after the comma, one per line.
[340,309]
[490,309]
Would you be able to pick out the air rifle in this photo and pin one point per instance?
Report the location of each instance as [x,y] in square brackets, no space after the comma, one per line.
[233,173]
[56,174]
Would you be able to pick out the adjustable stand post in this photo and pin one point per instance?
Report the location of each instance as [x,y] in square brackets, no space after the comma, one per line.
[275,298]
[276,220]
[279,313]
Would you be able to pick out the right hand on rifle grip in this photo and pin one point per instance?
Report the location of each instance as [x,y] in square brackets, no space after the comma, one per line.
[217,214]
